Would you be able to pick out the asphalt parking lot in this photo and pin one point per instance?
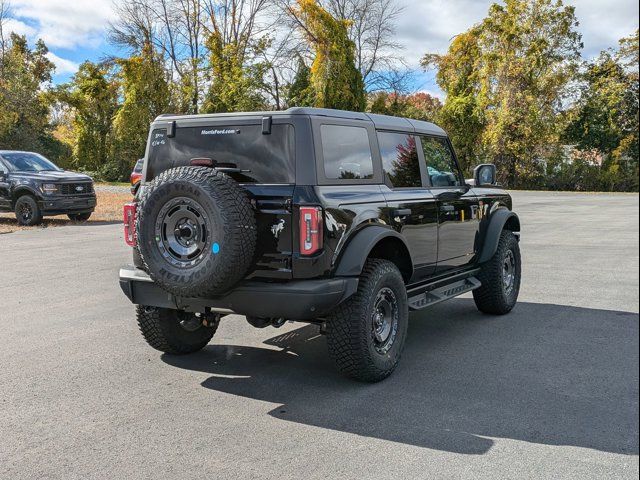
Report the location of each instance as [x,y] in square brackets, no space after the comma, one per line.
[549,391]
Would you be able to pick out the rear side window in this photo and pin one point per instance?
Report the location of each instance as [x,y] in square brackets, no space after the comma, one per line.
[441,165]
[399,160]
[260,158]
[346,152]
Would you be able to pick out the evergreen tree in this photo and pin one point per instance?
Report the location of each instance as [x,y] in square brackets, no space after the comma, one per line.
[145,93]
[300,91]
[336,81]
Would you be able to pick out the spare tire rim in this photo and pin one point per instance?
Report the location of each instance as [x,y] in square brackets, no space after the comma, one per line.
[509,272]
[384,320]
[182,232]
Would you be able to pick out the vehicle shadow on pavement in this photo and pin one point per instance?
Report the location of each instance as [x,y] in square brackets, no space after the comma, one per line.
[547,374]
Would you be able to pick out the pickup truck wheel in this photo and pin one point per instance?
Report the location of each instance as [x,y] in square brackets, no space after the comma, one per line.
[27,211]
[79,217]
[500,278]
[173,331]
[366,334]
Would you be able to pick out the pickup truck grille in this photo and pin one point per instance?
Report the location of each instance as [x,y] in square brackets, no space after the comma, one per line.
[76,188]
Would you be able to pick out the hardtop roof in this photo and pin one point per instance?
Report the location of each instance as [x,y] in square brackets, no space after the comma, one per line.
[382,122]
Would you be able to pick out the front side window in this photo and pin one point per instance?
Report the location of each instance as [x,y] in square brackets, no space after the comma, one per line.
[441,165]
[346,152]
[28,162]
[399,160]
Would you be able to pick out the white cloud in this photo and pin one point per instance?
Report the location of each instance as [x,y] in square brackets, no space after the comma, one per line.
[63,66]
[66,23]
[429,25]
[16,26]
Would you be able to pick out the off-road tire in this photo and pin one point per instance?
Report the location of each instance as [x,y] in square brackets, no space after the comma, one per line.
[161,329]
[350,337]
[28,202]
[493,297]
[231,229]
[79,217]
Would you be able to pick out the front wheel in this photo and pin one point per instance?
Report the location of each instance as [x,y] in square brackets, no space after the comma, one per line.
[173,331]
[366,334]
[500,278]
[28,212]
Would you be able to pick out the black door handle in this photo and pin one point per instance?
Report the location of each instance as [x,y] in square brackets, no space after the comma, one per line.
[402,212]
[450,195]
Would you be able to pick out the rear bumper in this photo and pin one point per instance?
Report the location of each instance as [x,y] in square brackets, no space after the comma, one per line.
[62,205]
[294,300]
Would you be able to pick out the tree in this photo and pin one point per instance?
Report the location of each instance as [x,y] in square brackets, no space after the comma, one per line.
[145,93]
[515,68]
[93,96]
[175,29]
[419,106]
[372,28]
[234,86]
[336,81]
[461,115]
[235,41]
[24,105]
[605,117]
[300,91]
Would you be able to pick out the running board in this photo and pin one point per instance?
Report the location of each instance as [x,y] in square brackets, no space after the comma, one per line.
[443,293]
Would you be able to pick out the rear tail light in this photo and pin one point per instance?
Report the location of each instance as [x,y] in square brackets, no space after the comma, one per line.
[130,210]
[310,230]
[135,178]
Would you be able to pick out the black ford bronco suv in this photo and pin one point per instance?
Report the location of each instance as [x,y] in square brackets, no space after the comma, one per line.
[347,220]
[33,187]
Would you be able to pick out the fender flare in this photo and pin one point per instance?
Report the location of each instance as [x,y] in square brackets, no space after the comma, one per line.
[23,189]
[352,260]
[497,222]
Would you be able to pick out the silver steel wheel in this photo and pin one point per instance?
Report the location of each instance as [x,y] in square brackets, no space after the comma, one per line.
[182,232]
[384,320]
[509,272]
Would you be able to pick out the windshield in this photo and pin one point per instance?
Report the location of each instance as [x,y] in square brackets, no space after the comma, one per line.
[28,162]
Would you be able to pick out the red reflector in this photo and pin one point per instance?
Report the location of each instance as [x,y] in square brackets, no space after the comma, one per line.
[130,224]
[310,230]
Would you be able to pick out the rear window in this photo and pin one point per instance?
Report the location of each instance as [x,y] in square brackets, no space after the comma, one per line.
[346,152]
[261,158]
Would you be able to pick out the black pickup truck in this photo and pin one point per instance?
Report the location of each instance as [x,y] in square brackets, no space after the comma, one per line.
[347,220]
[33,187]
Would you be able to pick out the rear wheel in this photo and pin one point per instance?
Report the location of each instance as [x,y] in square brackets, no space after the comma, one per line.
[79,217]
[366,334]
[173,331]
[500,278]
[27,211]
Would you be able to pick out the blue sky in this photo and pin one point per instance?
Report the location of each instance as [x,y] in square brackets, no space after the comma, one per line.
[75,30]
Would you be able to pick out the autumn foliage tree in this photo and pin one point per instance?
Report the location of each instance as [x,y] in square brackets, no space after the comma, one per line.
[24,107]
[335,80]
[514,68]
[145,93]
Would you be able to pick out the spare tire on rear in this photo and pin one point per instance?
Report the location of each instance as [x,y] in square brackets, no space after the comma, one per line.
[196,231]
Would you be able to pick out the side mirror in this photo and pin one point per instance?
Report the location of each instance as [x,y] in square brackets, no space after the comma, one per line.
[3,176]
[484,175]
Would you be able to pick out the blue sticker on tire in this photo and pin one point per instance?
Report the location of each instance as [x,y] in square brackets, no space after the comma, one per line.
[215,248]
